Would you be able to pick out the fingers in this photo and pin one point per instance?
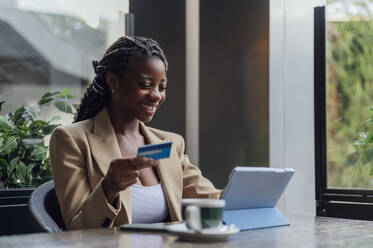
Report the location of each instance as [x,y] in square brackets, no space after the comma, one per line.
[150,163]
[135,163]
[130,175]
[118,181]
[123,173]
[126,184]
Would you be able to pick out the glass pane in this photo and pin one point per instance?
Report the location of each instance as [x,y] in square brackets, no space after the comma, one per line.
[49,45]
[349,51]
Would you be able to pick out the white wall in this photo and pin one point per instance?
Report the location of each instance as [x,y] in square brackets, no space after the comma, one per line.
[291,101]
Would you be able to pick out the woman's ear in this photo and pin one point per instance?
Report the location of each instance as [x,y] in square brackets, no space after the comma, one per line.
[112,80]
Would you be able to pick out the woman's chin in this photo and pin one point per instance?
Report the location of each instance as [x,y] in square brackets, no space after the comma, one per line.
[146,119]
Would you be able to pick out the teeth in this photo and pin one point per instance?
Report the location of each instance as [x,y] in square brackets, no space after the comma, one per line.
[149,107]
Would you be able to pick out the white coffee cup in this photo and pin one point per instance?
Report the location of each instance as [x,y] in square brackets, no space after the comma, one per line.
[202,213]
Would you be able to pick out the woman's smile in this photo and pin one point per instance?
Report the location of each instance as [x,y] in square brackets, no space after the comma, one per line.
[149,108]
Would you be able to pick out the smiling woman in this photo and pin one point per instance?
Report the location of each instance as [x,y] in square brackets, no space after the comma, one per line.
[98,179]
[141,98]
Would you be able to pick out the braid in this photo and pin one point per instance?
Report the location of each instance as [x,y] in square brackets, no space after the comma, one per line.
[117,59]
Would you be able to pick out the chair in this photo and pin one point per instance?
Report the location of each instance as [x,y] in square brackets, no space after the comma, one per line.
[45,209]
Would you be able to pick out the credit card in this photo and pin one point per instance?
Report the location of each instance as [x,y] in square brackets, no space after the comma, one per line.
[155,151]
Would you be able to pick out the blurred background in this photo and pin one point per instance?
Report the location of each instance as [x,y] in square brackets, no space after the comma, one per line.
[48,45]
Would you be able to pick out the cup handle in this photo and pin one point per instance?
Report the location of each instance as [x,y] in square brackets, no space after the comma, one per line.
[193,217]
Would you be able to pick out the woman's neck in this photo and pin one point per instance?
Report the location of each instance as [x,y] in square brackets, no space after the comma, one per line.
[122,124]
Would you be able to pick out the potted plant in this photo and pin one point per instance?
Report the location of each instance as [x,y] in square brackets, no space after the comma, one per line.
[24,159]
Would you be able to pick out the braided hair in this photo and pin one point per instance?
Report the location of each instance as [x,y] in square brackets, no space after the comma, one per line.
[117,59]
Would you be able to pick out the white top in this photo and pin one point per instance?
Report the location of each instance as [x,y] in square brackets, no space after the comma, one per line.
[148,204]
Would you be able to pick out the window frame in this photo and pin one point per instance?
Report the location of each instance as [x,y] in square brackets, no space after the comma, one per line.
[331,202]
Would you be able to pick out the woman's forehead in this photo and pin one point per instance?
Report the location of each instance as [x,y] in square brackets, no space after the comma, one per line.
[150,65]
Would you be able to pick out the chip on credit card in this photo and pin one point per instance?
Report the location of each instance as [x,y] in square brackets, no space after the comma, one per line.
[155,151]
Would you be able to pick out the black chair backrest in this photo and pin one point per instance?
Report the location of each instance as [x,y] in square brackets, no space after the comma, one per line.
[45,209]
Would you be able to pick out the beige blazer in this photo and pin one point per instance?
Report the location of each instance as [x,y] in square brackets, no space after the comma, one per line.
[80,157]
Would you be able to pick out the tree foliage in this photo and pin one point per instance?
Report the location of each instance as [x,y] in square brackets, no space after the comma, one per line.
[349,94]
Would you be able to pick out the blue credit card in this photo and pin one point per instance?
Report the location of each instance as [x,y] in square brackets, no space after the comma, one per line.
[155,151]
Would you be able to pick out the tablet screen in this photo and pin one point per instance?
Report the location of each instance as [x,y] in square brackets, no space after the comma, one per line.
[255,187]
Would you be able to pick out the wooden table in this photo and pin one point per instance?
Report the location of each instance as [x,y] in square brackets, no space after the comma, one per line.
[303,232]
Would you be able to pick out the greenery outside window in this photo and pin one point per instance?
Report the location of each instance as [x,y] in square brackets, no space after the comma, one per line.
[343,108]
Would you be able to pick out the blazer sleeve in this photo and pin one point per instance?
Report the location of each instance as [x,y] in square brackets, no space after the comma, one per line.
[81,206]
[194,184]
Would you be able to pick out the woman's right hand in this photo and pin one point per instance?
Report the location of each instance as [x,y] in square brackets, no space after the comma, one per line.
[122,173]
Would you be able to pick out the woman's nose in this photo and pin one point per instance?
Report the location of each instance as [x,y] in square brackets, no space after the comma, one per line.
[156,95]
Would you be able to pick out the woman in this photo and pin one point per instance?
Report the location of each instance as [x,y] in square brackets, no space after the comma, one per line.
[98,179]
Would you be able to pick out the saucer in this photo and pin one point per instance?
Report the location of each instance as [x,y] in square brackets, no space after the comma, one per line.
[220,233]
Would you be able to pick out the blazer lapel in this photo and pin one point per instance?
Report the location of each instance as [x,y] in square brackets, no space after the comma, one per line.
[168,173]
[105,148]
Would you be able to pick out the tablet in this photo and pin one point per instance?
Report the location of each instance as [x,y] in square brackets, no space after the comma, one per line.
[255,187]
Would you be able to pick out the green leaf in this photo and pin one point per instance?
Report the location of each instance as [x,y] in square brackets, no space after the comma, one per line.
[18,118]
[370,110]
[369,122]
[56,118]
[1,105]
[64,107]
[49,129]
[65,91]
[367,156]
[363,135]
[4,123]
[30,167]
[49,94]
[29,176]
[9,117]
[360,142]
[9,145]
[70,96]
[38,125]
[4,163]
[370,138]
[33,110]
[65,94]
[352,158]
[45,100]
[39,153]
[21,171]
[12,165]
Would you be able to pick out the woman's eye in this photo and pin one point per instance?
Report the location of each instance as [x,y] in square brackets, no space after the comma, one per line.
[145,85]
[163,87]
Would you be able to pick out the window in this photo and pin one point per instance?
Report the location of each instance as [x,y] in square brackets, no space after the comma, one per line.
[343,98]
[49,45]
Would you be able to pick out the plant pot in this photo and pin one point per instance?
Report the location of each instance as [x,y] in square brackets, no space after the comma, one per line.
[14,213]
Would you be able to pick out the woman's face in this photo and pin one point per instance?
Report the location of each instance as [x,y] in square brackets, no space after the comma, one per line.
[140,92]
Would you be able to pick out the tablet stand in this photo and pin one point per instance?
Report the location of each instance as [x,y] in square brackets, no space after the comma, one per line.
[254,218]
